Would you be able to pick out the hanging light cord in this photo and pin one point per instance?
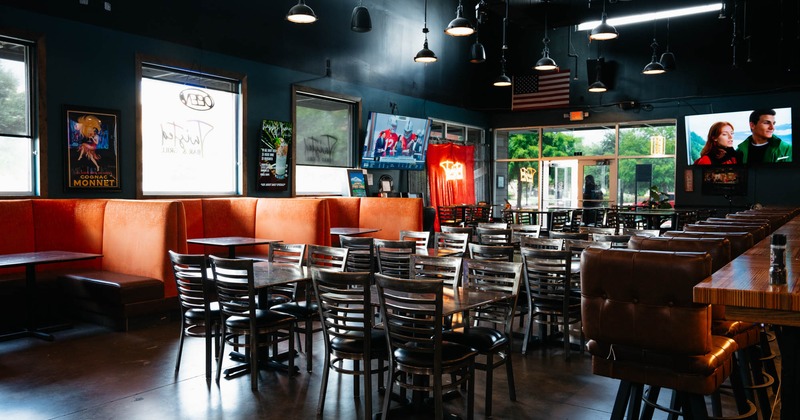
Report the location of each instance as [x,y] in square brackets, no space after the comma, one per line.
[425,24]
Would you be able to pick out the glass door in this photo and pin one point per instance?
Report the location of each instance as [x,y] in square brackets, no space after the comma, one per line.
[604,178]
[560,184]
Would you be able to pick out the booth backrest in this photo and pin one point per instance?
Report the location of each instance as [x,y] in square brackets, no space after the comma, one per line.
[71,224]
[16,230]
[293,221]
[759,232]
[344,211]
[391,215]
[740,241]
[137,235]
[643,300]
[718,248]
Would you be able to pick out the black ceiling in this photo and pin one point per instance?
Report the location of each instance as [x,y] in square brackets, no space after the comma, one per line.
[382,58]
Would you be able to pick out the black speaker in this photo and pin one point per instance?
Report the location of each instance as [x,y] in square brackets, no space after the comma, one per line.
[644,173]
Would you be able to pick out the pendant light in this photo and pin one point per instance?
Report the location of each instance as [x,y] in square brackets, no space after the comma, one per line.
[603,31]
[477,54]
[360,21]
[668,58]
[598,86]
[460,26]
[503,80]
[300,13]
[545,63]
[425,55]
[654,67]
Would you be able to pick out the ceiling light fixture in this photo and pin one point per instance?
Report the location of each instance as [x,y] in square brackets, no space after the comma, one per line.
[477,53]
[300,13]
[668,58]
[598,86]
[647,17]
[460,26]
[654,67]
[545,63]
[603,31]
[425,55]
[503,80]
[360,21]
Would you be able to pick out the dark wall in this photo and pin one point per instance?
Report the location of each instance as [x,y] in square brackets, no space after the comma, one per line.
[93,66]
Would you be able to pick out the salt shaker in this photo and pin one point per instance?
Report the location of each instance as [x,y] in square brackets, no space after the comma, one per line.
[777,267]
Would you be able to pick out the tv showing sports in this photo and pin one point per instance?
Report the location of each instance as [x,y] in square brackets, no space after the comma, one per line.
[778,146]
[727,180]
[395,142]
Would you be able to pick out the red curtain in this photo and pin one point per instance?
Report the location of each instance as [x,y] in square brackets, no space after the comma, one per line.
[446,192]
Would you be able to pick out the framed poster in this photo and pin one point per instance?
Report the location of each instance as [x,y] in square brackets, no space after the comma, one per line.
[357,183]
[92,161]
[274,160]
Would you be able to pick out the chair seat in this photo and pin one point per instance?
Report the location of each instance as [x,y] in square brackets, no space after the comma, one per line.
[452,354]
[199,314]
[298,309]
[263,318]
[356,343]
[482,339]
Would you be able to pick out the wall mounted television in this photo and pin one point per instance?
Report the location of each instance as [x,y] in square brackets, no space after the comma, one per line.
[697,127]
[395,142]
[727,180]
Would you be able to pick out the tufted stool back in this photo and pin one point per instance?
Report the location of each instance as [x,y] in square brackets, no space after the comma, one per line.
[642,325]
[740,241]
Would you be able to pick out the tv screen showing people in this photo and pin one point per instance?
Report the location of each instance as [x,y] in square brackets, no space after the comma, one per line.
[395,142]
[759,136]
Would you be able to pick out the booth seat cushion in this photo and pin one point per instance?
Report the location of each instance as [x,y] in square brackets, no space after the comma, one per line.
[108,286]
[390,215]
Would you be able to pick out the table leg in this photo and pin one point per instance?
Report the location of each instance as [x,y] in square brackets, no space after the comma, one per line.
[30,329]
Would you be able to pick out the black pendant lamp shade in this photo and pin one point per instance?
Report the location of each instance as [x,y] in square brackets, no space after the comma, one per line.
[300,13]
[361,21]
[477,54]
[460,26]
[603,31]
[425,55]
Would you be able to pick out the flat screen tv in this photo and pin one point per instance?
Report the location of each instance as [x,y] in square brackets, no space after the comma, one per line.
[727,180]
[697,127]
[395,142]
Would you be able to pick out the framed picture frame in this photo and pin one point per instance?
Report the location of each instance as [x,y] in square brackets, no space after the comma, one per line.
[357,182]
[92,158]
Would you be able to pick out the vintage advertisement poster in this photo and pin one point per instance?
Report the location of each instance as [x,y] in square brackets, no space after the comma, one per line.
[357,182]
[275,160]
[92,149]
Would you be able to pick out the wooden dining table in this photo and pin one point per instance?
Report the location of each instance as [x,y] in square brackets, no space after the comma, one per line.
[231,242]
[30,260]
[744,287]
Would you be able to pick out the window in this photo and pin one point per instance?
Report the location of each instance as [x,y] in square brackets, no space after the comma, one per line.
[610,154]
[326,132]
[191,138]
[18,145]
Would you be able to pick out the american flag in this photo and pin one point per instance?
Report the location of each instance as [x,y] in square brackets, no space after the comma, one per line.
[550,90]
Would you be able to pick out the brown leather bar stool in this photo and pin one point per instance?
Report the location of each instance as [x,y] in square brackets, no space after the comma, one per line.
[644,328]
[745,334]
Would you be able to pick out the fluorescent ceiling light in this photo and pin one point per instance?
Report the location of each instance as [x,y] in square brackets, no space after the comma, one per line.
[649,17]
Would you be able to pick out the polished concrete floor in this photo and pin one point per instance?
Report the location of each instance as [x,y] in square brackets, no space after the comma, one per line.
[90,372]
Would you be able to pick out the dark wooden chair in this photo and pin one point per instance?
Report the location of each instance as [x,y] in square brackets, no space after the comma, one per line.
[306,311]
[200,315]
[394,257]
[241,317]
[346,313]
[411,311]
[489,331]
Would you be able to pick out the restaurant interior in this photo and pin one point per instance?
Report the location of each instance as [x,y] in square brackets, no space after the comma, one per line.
[369,140]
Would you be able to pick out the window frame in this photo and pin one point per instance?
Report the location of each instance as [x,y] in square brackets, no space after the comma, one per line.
[354,142]
[242,145]
[36,110]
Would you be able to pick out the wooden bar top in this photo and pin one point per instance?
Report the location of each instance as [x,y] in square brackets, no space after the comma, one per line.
[743,285]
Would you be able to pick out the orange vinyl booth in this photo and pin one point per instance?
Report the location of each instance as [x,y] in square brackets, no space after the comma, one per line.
[132,278]
[390,215]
